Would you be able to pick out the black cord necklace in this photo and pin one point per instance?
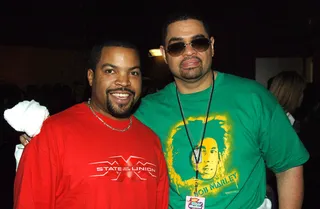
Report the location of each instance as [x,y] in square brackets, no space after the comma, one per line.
[197,158]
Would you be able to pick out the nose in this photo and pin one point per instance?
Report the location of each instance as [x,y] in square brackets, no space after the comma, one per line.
[123,80]
[205,158]
[189,50]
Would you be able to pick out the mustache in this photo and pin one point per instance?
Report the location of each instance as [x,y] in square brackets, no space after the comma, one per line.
[121,89]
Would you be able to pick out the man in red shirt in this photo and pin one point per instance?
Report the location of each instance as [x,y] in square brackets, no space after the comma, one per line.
[96,154]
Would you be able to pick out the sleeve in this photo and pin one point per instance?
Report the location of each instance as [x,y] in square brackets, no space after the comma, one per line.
[163,184]
[36,178]
[279,143]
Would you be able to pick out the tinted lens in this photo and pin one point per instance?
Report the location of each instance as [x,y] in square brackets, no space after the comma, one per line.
[201,44]
[176,49]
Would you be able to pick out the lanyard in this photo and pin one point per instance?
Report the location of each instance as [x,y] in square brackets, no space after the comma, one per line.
[197,158]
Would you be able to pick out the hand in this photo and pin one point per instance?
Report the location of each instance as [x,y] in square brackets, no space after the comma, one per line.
[24,139]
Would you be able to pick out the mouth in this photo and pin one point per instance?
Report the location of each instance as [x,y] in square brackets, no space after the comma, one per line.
[121,97]
[190,63]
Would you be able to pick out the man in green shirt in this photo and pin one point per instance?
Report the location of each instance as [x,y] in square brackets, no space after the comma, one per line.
[219,131]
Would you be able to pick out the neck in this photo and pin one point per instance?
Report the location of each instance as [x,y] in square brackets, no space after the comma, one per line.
[196,86]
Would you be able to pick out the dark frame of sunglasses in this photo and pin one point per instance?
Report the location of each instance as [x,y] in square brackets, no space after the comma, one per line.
[199,44]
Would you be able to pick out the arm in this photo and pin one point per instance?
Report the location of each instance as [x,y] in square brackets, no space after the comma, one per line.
[163,185]
[24,139]
[283,152]
[26,116]
[36,179]
[290,188]
[285,155]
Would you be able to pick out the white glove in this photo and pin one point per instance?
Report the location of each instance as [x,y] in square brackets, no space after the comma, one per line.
[28,117]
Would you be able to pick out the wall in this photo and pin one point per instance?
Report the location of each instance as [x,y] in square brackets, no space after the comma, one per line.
[269,67]
[30,65]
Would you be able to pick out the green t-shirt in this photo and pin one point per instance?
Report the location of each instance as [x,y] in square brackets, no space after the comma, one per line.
[246,130]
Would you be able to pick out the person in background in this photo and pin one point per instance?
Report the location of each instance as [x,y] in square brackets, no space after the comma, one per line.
[288,88]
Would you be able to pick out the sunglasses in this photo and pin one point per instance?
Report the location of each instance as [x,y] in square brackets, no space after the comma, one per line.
[199,44]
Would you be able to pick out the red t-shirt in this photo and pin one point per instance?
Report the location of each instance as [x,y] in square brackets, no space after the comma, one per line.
[77,162]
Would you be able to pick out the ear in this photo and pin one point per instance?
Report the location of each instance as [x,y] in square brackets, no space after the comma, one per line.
[90,76]
[163,52]
[212,45]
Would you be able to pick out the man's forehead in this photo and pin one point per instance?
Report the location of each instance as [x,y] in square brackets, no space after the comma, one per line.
[185,29]
[111,51]
[120,55]
[210,141]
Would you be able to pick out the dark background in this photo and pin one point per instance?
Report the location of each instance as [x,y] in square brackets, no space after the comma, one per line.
[242,31]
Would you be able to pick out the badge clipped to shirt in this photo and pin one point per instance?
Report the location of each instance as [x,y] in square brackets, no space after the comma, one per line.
[193,202]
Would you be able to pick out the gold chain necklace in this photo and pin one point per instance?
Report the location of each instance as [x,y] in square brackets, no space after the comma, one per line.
[109,126]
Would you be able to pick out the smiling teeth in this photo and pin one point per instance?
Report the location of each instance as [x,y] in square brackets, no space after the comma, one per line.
[120,95]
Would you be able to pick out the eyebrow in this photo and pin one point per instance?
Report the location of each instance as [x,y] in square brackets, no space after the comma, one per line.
[108,65]
[114,66]
[173,39]
[198,36]
[134,68]
[212,148]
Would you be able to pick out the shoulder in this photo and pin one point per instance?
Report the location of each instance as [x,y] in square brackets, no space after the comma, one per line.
[68,116]
[153,101]
[248,89]
[145,130]
[243,84]
[159,96]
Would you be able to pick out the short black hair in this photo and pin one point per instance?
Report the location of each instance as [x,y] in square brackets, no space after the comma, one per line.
[95,53]
[180,16]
